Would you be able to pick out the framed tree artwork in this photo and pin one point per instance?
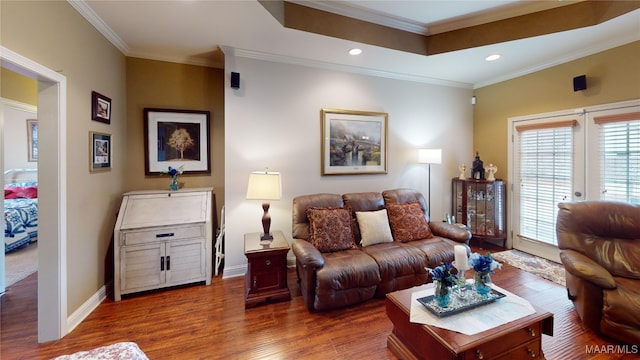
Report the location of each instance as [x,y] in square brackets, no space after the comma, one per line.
[353,142]
[176,138]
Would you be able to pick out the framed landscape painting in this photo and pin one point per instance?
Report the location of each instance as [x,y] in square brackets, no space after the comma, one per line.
[353,142]
[176,138]
[32,139]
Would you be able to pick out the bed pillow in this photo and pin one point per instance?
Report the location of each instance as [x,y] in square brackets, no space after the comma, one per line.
[18,192]
[29,192]
[330,229]
[408,222]
[374,227]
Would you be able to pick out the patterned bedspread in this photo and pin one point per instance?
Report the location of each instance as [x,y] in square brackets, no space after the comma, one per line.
[117,351]
[21,219]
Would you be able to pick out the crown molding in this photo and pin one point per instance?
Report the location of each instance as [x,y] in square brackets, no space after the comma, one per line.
[596,48]
[250,54]
[88,13]
[347,10]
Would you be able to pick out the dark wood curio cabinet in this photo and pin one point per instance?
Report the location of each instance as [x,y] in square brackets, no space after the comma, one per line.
[480,205]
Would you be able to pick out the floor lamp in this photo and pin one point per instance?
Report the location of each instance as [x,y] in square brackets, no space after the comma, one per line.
[429,156]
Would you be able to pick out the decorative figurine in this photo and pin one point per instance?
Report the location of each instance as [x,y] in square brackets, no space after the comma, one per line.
[491,170]
[477,170]
[463,169]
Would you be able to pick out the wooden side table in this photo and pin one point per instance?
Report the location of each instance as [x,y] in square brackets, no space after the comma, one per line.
[266,276]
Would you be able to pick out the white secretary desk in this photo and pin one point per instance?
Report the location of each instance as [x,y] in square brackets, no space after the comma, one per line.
[162,238]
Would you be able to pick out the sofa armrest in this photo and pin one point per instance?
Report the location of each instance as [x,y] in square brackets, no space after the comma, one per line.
[306,254]
[450,231]
[583,267]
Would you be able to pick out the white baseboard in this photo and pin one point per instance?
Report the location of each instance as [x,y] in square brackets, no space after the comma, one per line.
[87,308]
[233,271]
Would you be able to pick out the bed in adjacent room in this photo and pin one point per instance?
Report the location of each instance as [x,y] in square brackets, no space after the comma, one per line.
[20,208]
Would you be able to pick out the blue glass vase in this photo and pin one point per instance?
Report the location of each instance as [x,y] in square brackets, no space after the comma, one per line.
[481,283]
[442,294]
[173,185]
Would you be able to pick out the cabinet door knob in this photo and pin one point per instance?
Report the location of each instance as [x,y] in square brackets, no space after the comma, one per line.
[268,262]
[479,354]
[531,353]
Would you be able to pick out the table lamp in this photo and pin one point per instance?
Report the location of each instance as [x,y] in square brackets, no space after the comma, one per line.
[264,185]
[429,156]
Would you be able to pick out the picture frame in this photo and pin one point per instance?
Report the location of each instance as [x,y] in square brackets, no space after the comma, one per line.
[177,138]
[353,142]
[32,140]
[99,151]
[100,108]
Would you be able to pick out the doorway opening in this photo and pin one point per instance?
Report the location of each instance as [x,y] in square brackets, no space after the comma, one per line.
[52,279]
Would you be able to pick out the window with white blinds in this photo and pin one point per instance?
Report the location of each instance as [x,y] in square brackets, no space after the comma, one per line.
[545,172]
[619,138]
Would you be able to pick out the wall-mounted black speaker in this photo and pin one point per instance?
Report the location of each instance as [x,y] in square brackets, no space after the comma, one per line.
[235,80]
[580,83]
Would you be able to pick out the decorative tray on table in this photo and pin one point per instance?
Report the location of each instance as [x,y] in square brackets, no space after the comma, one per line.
[460,301]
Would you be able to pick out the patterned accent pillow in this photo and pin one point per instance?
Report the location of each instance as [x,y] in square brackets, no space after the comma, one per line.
[330,229]
[408,222]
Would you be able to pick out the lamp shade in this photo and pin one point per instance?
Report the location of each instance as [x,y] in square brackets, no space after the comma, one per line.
[430,156]
[264,185]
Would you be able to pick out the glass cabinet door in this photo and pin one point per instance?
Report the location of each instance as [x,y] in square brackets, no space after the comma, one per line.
[479,205]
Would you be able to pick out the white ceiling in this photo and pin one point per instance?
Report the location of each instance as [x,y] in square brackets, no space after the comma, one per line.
[190,31]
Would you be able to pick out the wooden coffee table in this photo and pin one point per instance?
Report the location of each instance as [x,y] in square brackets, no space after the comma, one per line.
[518,339]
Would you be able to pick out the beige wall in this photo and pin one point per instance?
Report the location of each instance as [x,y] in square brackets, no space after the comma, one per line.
[54,35]
[17,87]
[159,84]
[612,76]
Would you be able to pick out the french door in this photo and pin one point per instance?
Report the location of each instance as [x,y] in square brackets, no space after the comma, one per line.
[548,167]
[589,154]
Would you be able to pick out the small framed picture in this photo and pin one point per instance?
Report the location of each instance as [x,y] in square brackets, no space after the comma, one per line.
[32,139]
[100,108]
[99,151]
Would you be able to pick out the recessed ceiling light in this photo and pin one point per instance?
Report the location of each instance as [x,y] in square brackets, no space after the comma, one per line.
[492,57]
[355,51]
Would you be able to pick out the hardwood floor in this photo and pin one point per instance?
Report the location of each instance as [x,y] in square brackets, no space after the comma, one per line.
[210,322]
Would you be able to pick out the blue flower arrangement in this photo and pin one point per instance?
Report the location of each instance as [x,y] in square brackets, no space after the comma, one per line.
[483,263]
[173,172]
[444,275]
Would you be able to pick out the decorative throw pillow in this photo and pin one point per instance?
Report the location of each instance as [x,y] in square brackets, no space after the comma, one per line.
[408,222]
[330,229]
[374,227]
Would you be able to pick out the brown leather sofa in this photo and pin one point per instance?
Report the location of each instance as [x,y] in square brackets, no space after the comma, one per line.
[332,279]
[599,245]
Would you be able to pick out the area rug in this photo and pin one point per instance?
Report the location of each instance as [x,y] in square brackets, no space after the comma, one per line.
[21,263]
[536,265]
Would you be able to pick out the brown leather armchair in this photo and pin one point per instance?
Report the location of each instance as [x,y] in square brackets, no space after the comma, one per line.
[599,245]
